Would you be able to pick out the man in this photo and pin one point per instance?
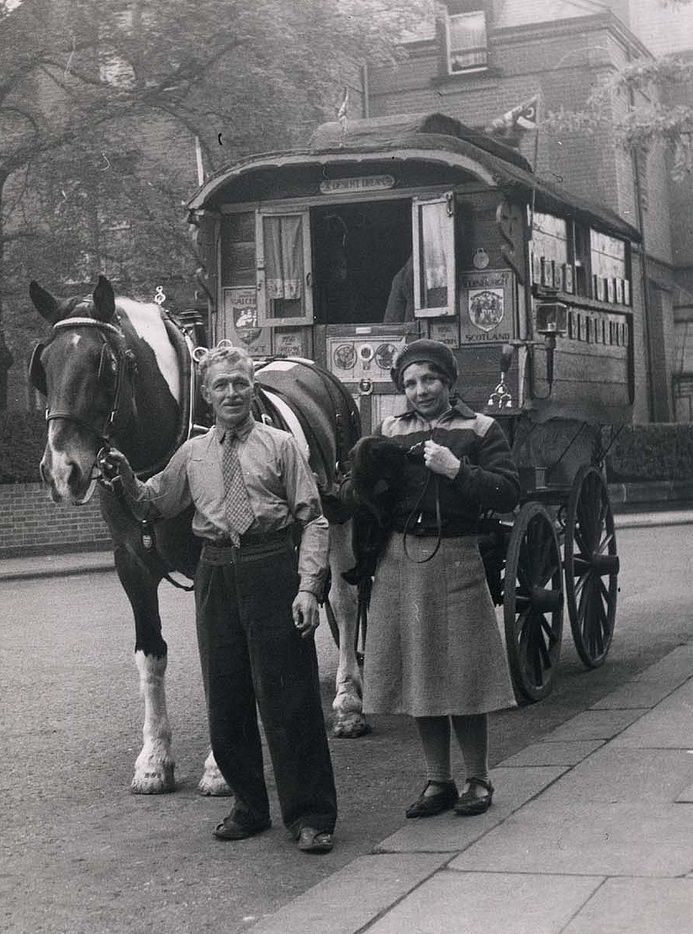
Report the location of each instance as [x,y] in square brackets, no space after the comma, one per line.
[256,603]
[400,304]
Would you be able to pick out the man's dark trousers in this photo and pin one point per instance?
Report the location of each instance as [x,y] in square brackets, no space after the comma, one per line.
[251,652]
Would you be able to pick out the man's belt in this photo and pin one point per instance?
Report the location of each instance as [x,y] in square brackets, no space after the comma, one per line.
[252,547]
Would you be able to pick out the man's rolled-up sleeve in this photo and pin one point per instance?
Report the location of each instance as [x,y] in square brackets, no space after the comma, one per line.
[165,494]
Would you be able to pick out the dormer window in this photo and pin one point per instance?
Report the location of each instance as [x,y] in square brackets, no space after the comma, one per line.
[467,46]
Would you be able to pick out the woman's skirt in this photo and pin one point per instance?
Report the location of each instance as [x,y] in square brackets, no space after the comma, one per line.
[433,646]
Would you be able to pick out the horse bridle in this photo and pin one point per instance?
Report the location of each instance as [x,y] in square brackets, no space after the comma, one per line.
[124,360]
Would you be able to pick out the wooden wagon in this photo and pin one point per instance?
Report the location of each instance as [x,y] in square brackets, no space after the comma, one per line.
[390,229]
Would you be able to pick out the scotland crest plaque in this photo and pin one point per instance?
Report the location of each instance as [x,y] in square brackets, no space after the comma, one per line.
[486,307]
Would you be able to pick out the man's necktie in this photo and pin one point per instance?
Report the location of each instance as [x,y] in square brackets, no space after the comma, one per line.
[236,503]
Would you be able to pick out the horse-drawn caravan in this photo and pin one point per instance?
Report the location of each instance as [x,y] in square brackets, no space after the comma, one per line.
[385,230]
[378,233]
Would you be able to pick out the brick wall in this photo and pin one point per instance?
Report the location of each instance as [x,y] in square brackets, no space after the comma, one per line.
[30,523]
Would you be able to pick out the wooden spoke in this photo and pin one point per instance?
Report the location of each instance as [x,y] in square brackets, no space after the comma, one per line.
[533,603]
[590,562]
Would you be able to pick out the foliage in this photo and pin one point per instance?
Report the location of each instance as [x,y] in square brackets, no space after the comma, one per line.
[22,440]
[86,86]
[645,102]
[652,452]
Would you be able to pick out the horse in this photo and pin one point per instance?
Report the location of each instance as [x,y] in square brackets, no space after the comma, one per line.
[120,372]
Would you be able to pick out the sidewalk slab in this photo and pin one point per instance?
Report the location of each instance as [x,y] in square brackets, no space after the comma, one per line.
[637,906]
[448,833]
[352,897]
[495,903]
[556,753]
[667,726]
[672,670]
[634,694]
[588,838]
[594,724]
[617,775]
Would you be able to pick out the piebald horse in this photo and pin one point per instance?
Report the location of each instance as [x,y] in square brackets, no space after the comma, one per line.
[117,371]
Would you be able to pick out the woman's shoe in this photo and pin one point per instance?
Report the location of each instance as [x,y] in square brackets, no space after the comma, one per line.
[470,803]
[428,805]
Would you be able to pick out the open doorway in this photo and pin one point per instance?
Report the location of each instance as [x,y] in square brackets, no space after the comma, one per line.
[357,251]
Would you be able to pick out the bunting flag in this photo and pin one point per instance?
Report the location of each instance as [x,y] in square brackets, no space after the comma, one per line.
[523,116]
[343,112]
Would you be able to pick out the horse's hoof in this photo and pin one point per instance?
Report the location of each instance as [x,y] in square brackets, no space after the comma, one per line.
[214,789]
[154,782]
[350,726]
[213,785]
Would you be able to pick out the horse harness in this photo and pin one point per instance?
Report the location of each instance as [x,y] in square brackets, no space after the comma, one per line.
[116,365]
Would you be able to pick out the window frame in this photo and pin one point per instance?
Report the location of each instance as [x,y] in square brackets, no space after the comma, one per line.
[439,311]
[449,51]
[265,320]
[581,264]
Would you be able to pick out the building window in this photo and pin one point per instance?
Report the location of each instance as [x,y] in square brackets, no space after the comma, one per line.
[114,69]
[467,47]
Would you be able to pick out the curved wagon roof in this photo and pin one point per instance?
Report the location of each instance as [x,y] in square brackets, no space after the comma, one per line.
[433,139]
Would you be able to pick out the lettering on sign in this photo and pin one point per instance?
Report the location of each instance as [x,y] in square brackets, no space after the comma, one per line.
[496,337]
[331,186]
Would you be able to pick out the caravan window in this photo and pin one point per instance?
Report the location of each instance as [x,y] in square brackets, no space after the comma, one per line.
[434,256]
[283,276]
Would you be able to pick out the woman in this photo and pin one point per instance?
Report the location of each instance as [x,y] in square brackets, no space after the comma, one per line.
[433,648]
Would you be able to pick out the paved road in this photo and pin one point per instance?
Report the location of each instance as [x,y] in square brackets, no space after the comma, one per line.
[80,854]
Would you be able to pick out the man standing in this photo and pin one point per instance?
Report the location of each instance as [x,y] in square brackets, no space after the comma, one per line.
[256,602]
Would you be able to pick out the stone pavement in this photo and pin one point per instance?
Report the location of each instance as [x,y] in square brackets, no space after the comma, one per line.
[590,832]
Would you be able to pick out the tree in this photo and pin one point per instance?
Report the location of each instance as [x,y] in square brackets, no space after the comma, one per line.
[656,92]
[90,88]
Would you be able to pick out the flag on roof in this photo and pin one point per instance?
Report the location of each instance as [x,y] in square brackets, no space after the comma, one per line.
[523,116]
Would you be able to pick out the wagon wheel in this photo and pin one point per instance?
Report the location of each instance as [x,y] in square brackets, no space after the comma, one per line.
[533,604]
[591,566]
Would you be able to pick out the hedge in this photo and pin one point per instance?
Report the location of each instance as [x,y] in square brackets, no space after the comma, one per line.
[22,440]
[655,451]
[640,453]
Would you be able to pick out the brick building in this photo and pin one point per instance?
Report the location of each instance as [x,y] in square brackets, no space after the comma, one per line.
[479,58]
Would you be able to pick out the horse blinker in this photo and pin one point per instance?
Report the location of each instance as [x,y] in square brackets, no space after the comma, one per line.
[37,374]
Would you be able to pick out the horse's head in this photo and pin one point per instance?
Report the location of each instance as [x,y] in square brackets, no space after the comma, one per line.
[80,372]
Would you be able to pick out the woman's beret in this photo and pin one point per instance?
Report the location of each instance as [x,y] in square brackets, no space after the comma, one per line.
[425,351]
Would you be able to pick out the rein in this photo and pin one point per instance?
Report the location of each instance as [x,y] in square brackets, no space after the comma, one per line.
[439,521]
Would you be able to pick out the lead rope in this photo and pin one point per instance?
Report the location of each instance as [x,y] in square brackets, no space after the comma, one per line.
[147,533]
[439,521]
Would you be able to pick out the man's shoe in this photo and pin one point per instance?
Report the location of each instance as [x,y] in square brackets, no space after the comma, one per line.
[311,840]
[428,805]
[470,803]
[235,827]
